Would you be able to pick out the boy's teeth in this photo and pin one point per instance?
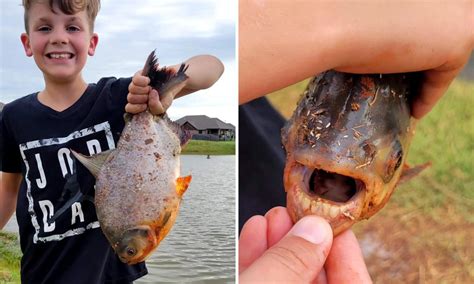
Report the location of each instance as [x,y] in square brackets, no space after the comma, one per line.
[60,55]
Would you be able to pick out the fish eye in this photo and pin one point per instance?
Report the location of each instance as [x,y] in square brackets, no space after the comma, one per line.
[394,162]
[131,251]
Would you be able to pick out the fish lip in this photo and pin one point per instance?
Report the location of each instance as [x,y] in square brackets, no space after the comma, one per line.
[301,201]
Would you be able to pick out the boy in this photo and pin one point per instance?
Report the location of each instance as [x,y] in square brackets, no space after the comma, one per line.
[38,130]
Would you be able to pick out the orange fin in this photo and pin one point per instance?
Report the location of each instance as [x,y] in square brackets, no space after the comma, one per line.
[409,173]
[182,184]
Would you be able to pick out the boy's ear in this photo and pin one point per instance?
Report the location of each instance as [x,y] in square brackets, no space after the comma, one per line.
[93,44]
[25,40]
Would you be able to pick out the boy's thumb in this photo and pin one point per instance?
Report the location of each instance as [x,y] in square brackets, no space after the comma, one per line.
[297,258]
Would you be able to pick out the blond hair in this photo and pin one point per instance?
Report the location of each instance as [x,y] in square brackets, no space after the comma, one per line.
[68,7]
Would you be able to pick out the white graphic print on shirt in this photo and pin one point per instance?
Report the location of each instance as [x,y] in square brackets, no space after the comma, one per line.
[51,158]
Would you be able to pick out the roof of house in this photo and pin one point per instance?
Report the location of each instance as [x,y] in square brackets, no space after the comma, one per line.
[202,122]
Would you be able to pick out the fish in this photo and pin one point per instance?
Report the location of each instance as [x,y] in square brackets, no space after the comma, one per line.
[138,187]
[346,145]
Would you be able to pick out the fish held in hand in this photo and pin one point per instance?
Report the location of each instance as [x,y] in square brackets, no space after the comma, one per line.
[138,188]
[347,144]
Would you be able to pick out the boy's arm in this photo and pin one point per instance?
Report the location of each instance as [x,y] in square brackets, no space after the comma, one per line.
[9,186]
[281,43]
[203,72]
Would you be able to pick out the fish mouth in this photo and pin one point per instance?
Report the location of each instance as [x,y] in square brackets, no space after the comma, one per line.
[333,188]
[336,197]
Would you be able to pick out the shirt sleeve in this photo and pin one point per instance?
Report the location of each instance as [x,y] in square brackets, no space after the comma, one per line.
[10,158]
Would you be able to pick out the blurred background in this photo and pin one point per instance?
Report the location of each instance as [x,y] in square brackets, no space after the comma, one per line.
[424,234]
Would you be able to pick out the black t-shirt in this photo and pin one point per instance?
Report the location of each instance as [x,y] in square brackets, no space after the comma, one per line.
[36,141]
[261,159]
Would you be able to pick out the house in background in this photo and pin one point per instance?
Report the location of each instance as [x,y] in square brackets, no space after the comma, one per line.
[206,128]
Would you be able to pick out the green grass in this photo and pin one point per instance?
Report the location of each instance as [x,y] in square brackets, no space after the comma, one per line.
[199,147]
[446,138]
[10,255]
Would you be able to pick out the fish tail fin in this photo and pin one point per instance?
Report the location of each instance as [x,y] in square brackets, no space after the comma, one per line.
[164,80]
[158,76]
[182,184]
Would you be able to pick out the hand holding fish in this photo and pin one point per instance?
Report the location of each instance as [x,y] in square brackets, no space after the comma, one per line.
[281,43]
[202,71]
[271,249]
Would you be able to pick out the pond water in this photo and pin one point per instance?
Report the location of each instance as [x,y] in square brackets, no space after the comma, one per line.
[201,245]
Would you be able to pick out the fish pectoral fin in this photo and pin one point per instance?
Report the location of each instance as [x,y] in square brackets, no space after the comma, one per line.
[93,163]
[182,184]
[127,117]
[410,172]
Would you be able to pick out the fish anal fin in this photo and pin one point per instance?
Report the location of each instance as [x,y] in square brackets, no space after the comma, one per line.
[93,163]
[410,172]
[182,184]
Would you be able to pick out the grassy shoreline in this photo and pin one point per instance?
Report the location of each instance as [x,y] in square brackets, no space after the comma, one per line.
[10,256]
[199,147]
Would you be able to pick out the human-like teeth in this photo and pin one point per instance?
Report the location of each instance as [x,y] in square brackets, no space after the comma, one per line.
[321,208]
[348,215]
[305,203]
[60,55]
[334,211]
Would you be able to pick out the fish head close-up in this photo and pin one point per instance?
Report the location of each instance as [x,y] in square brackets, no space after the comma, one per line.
[346,145]
[136,244]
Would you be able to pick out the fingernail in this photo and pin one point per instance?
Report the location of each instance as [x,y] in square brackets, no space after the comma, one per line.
[313,229]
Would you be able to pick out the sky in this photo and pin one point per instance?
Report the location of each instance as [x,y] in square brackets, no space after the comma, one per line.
[128,31]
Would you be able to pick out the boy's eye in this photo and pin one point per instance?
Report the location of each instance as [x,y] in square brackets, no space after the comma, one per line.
[44,29]
[73,29]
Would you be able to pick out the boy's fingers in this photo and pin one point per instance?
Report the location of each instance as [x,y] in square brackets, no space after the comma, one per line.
[135,108]
[435,84]
[297,258]
[252,241]
[166,102]
[137,99]
[279,223]
[139,90]
[345,263]
[154,103]
[140,80]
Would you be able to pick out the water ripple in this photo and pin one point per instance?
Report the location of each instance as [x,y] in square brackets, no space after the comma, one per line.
[201,245]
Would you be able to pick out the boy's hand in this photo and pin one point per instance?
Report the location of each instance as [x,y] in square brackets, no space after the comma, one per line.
[141,96]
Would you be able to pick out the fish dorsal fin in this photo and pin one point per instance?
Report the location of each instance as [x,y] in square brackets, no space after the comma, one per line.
[408,173]
[183,135]
[182,184]
[93,163]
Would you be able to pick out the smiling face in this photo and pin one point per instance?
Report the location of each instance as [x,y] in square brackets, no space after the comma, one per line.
[59,43]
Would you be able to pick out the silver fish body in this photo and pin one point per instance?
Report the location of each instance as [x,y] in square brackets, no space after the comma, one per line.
[138,187]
